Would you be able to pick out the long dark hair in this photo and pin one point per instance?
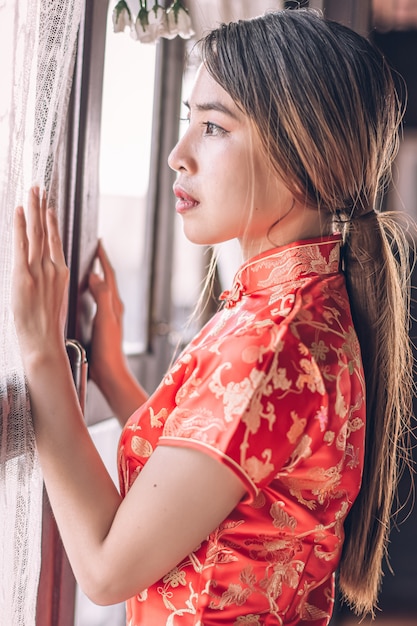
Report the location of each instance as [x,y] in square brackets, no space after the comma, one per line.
[323,101]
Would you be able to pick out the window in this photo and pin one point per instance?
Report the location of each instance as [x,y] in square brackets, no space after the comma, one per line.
[125,147]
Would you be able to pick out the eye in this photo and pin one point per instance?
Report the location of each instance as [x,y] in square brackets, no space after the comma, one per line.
[213,130]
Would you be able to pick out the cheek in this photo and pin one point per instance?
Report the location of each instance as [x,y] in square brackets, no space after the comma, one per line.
[240,183]
[271,194]
[229,173]
[230,186]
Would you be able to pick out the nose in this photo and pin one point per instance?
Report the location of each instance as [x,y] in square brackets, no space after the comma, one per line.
[181,157]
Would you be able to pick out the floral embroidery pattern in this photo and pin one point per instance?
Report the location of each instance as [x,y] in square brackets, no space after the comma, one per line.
[274,386]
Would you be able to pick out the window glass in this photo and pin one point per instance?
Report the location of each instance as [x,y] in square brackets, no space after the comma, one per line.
[124,169]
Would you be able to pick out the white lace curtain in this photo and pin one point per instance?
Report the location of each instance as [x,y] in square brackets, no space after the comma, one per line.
[37,50]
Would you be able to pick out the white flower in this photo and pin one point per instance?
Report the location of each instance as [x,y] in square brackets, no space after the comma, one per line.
[140,28]
[139,33]
[179,21]
[122,18]
[158,21]
[149,27]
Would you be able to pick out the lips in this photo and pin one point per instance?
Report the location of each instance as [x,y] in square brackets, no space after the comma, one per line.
[185,202]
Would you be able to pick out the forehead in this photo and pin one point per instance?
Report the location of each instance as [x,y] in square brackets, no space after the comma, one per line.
[206,92]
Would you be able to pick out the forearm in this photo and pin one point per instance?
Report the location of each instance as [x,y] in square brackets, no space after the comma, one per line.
[118,548]
[83,497]
[122,391]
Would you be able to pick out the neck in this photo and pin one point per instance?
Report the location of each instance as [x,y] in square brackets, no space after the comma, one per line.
[298,224]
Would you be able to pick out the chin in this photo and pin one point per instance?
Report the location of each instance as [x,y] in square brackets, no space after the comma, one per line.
[201,239]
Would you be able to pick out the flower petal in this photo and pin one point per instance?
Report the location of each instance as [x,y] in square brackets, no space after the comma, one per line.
[122,18]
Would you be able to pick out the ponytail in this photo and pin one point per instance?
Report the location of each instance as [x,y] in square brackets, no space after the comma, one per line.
[376,257]
[325,106]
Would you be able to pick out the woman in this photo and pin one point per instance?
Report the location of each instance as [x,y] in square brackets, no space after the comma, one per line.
[239,473]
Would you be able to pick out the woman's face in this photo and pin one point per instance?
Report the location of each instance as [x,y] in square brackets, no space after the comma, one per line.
[225,188]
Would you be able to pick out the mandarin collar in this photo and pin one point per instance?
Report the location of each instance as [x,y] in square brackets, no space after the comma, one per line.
[299,259]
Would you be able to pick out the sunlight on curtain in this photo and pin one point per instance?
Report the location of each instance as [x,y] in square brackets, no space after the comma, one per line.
[37,49]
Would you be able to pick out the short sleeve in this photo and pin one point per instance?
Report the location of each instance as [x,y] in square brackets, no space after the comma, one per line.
[252,400]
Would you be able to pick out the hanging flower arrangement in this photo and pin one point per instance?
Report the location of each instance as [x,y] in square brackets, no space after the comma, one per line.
[150,25]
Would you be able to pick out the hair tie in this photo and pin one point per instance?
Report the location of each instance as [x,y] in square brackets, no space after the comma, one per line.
[365,215]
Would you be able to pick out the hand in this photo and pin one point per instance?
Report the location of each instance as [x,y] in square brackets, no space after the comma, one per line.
[108,365]
[40,279]
[106,356]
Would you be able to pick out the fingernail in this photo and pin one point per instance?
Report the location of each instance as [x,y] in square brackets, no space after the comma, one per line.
[35,191]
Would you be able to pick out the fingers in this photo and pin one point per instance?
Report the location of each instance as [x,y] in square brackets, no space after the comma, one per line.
[108,271]
[36,237]
[21,244]
[56,250]
[105,286]
[104,296]
[98,287]
[36,224]
[40,278]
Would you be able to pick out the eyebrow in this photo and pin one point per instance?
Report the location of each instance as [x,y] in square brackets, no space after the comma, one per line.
[212,106]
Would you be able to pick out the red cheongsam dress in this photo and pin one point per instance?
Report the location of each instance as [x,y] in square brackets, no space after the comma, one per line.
[273,387]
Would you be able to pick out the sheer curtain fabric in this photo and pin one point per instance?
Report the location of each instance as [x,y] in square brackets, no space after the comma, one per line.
[37,45]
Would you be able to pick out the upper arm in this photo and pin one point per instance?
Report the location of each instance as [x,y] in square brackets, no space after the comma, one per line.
[179,497]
